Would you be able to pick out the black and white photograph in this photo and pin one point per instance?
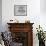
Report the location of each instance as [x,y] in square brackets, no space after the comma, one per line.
[20,10]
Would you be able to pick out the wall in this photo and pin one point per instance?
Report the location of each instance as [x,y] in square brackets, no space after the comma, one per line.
[33,14]
[0,15]
[43,14]
[33,10]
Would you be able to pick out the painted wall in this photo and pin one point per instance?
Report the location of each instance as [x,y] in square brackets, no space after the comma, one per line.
[33,10]
[43,14]
[0,15]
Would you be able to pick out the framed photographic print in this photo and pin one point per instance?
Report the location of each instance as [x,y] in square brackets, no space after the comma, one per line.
[20,10]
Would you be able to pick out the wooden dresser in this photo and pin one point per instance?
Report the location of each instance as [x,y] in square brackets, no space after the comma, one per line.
[22,33]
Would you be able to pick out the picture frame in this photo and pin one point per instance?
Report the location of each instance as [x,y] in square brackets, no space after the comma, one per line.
[20,10]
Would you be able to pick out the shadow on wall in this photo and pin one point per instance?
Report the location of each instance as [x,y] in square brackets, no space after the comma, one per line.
[0,15]
[43,6]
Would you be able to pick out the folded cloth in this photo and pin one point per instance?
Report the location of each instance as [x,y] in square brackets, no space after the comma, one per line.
[16,44]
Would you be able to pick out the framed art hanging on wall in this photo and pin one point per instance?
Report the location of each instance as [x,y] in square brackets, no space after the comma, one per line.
[20,10]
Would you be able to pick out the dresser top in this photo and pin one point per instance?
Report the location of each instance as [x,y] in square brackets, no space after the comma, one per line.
[19,23]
